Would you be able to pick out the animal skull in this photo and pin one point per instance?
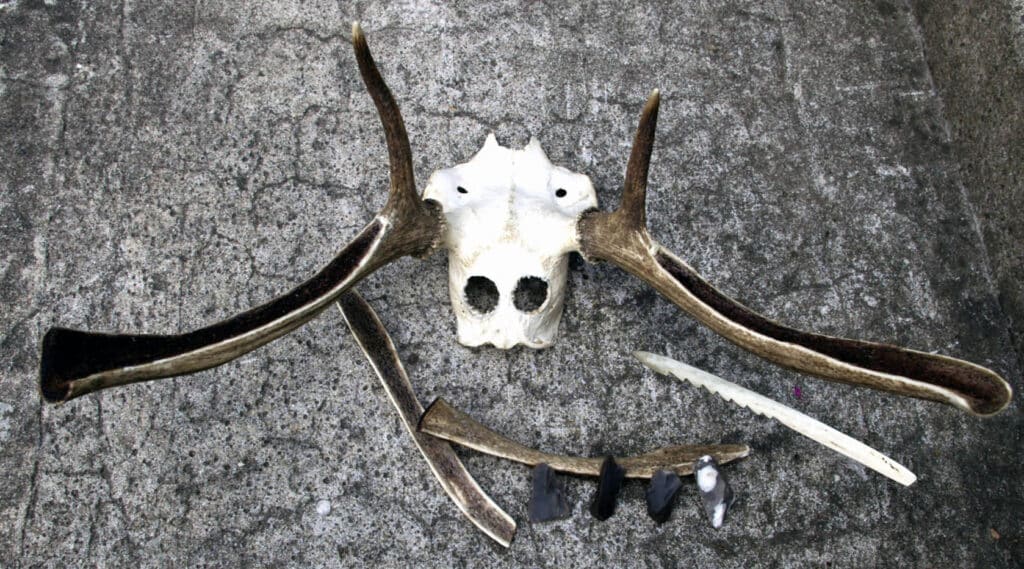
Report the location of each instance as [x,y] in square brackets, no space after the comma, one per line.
[511,223]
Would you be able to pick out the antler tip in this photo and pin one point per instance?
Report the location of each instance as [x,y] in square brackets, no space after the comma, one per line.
[634,196]
[357,30]
[653,100]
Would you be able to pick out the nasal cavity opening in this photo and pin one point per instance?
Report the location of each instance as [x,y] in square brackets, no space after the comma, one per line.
[481,293]
[530,293]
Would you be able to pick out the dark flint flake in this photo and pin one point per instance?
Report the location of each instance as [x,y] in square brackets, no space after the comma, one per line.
[661,495]
[547,501]
[612,477]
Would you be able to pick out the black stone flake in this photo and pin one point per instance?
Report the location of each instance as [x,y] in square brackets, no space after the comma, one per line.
[661,495]
[547,502]
[612,477]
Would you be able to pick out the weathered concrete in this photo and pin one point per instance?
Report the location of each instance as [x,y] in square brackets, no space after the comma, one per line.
[166,165]
[976,54]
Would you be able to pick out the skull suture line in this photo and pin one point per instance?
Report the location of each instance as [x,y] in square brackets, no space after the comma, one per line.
[508,232]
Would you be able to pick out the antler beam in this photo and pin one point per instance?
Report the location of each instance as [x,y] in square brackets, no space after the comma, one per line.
[446,422]
[621,238]
[75,363]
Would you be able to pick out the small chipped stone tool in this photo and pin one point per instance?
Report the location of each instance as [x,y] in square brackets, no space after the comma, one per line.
[608,485]
[547,501]
[714,490]
[661,495]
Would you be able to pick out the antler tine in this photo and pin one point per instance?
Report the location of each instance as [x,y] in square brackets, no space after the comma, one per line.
[604,235]
[403,194]
[420,219]
[634,192]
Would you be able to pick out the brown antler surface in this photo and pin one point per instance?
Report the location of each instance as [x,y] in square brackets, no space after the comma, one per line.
[457,482]
[621,237]
[74,363]
[446,422]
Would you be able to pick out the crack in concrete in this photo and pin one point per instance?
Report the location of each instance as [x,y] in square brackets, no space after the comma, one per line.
[33,485]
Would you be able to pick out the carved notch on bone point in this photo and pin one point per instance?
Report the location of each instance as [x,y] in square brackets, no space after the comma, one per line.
[74,363]
[446,422]
[621,237]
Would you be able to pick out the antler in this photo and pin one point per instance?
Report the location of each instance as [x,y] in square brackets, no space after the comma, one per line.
[457,482]
[75,363]
[621,237]
[443,421]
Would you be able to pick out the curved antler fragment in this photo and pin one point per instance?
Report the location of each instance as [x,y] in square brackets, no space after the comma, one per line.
[460,486]
[74,363]
[446,422]
[621,237]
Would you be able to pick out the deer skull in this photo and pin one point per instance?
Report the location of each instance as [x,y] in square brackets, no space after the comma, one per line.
[511,223]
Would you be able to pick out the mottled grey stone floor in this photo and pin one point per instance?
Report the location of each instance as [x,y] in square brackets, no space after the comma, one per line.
[166,164]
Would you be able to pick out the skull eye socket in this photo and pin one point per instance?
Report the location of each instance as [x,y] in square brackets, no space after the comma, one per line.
[481,293]
[530,294]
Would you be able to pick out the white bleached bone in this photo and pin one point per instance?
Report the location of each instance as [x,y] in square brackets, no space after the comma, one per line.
[803,424]
[511,215]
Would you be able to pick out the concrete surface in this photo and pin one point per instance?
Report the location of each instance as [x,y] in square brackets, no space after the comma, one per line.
[981,82]
[166,165]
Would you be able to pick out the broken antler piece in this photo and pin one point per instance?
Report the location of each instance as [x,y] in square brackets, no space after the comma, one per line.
[621,238]
[375,342]
[446,422]
[803,424]
[75,363]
